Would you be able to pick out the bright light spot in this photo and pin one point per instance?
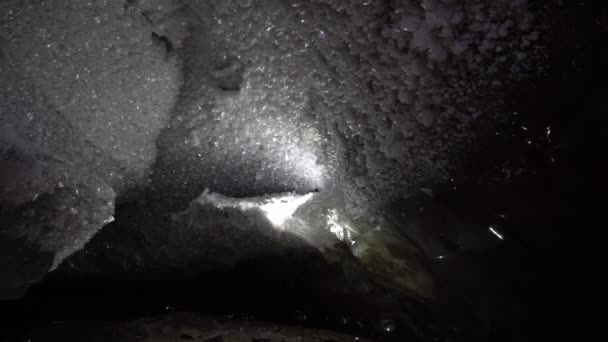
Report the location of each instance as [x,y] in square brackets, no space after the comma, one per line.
[110,219]
[496,233]
[340,229]
[280,209]
[277,209]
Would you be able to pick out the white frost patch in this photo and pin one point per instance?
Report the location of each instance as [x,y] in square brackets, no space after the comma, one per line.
[280,209]
[338,227]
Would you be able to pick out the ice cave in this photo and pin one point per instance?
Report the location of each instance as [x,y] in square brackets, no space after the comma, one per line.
[302,170]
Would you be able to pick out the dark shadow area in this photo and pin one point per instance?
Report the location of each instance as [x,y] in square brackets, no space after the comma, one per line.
[538,178]
[296,287]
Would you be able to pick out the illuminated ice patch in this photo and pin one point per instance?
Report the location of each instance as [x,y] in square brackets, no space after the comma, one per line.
[342,230]
[280,209]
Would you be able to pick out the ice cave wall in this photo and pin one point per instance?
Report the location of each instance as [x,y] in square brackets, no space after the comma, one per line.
[369,98]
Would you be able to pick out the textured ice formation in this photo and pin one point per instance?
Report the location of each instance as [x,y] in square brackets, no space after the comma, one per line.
[94,68]
[49,211]
[369,99]
[84,92]
[373,98]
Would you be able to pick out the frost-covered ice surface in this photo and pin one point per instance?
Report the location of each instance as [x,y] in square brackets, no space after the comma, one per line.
[366,100]
[84,93]
[370,98]
[90,68]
